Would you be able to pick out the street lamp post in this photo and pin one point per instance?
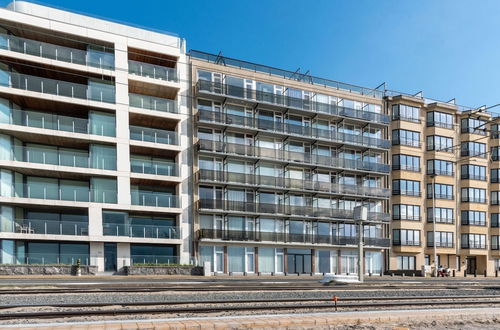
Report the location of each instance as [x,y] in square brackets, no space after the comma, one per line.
[433,176]
[360,215]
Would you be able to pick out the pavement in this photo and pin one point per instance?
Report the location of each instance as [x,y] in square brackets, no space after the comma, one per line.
[392,319]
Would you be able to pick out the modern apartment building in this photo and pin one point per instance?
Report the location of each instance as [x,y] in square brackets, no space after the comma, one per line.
[443,148]
[281,159]
[94,141]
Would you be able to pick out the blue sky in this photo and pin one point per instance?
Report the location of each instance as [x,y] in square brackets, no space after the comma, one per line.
[447,48]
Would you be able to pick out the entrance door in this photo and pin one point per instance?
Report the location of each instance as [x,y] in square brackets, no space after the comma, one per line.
[110,257]
[471,265]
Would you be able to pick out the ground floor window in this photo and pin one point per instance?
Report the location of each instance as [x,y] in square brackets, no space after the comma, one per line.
[373,262]
[153,254]
[349,262]
[41,252]
[497,264]
[406,262]
[271,260]
[214,255]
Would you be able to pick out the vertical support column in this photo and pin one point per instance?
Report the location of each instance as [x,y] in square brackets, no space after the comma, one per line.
[256,259]
[95,222]
[97,255]
[285,260]
[313,261]
[122,255]
[226,270]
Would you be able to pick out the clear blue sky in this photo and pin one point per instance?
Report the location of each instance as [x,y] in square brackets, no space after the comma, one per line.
[447,48]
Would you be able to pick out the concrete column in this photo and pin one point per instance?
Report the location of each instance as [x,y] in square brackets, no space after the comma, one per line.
[256,259]
[122,255]
[97,255]
[285,260]
[226,270]
[313,260]
[95,221]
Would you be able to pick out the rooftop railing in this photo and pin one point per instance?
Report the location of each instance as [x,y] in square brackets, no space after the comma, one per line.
[289,183]
[152,71]
[292,129]
[93,58]
[289,102]
[226,61]
[101,93]
[291,156]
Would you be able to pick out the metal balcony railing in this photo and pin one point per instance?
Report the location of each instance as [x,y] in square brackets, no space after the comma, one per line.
[292,129]
[49,227]
[440,244]
[237,92]
[290,156]
[141,231]
[289,183]
[282,209]
[152,198]
[152,71]
[147,134]
[406,243]
[152,103]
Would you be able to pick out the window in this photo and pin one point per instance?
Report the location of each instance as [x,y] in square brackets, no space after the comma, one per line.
[476,126]
[439,167]
[473,218]
[495,134]
[494,242]
[439,143]
[473,241]
[439,119]
[495,154]
[406,187]
[495,175]
[494,197]
[405,212]
[405,137]
[473,172]
[406,262]
[442,191]
[405,112]
[443,239]
[406,237]
[473,195]
[473,149]
[443,215]
[406,163]
[494,220]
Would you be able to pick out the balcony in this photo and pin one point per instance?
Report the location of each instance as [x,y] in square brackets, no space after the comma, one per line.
[152,71]
[62,157]
[257,96]
[406,217]
[152,103]
[440,196]
[285,210]
[413,193]
[291,129]
[73,193]
[404,167]
[280,237]
[101,93]
[154,198]
[406,243]
[288,183]
[406,142]
[147,134]
[142,231]
[290,156]
[440,244]
[92,58]
[154,167]
[49,227]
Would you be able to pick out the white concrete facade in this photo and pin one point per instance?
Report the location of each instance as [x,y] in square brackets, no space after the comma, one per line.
[150,65]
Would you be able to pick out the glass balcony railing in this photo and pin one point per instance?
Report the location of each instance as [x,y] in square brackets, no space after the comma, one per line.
[291,156]
[284,209]
[239,235]
[153,167]
[142,231]
[74,193]
[146,134]
[157,260]
[152,71]
[290,102]
[292,129]
[52,259]
[152,103]
[49,227]
[94,92]
[53,156]
[289,183]
[93,58]
[57,122]
[157,199]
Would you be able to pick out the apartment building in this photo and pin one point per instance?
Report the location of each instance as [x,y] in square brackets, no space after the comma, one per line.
[451,151]
[281,159]
[94,141]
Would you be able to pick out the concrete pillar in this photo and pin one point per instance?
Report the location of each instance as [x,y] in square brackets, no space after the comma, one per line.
[256,259]
[122,255]
[285,260]
[97,255]
[226,270]
[95,221]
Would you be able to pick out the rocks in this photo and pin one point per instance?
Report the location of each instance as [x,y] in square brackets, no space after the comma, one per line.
[45,270]
[163,270]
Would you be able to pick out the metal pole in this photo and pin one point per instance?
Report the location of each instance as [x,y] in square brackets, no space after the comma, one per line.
[361,271]
[434,223]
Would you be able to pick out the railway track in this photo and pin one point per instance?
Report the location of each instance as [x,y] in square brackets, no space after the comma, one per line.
[242,306]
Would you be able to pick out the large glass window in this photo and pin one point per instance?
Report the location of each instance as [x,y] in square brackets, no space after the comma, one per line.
[102,123]
[443,215]
[473,218]
[439,167]
[405,112]
[406,187]
[495,175]
[406,237]
[439,143]
[494,220]
[406,262]
[495,242]
[153,254]
[405,137]
[442,239]
[473,172]
[439,119]
[473,241]
[494,197]
[442,191]
[495,153]
[103,157]
[473,195]
[406,163]
[472,125]
[474,149]
[405,212]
